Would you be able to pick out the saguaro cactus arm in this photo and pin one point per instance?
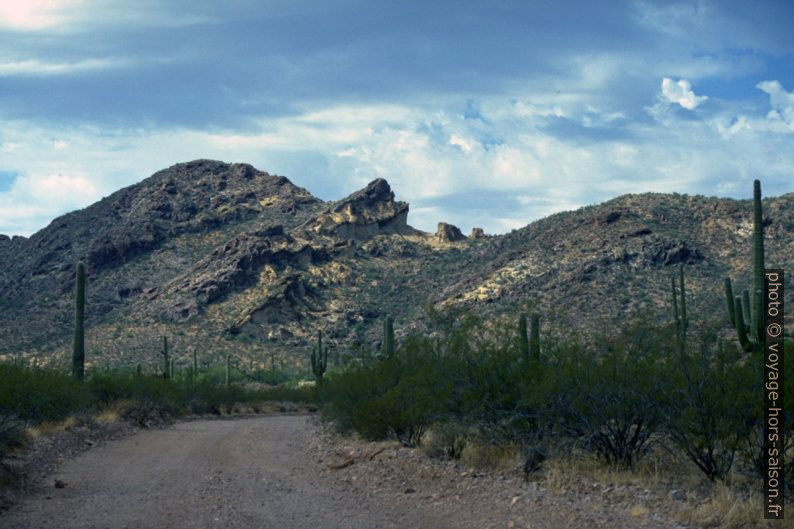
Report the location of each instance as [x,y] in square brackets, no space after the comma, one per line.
[741,326]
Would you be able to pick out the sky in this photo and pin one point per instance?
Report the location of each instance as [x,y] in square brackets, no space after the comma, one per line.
[489,114]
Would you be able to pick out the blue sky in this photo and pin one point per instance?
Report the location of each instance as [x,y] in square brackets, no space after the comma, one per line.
[489,114]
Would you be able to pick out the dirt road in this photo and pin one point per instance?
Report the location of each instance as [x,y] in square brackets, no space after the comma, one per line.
[279,471]
[246,473]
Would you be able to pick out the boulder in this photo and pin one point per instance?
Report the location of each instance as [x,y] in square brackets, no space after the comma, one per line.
[449,232]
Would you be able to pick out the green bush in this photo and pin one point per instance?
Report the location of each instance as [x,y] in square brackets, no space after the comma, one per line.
[712,403]
[38,395]
[397,396]
[32,396]
[608,404]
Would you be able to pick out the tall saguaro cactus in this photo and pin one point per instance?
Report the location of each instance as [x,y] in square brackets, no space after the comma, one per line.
[534,336]
[78,350]
[523,337]
[166,360]
[747,319]
[529,344]
[388,336]
[680,317]
[319,359]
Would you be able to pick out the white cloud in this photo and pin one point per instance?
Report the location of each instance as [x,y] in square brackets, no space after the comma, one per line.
[426,153]
[778,120]
[36,67]
[35,199]
[681,92]
[36,14]
[781,101]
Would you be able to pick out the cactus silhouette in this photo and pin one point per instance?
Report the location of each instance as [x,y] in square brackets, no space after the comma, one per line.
[523,338]
[680,316]
[747,319]
[388,336]
[534,336]
[166,360]
[78,349]
[319,359]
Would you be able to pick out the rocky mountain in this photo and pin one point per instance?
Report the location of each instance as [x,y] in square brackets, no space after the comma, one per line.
[223,258]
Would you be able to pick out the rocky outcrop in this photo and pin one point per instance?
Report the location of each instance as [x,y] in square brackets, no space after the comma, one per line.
[477,233]
[236,265]
[449,233]
[370,211]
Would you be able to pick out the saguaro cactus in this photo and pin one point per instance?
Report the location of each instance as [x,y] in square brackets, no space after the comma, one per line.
[388,336]
[319,359]
[166,360]
[534,336]
[746,319]
[78,350]
[523,338]
[680,317]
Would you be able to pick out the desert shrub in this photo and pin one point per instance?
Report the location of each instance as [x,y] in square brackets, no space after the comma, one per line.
[397,396]
[751,454]
[711,407]
[272,376]
[37,395]
[608,403]
[31,396]
[11,432]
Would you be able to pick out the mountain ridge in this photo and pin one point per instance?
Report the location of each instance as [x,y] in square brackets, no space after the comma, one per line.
[227,258]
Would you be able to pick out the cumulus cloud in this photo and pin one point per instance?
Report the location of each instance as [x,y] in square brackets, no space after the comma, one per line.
[680,92]
[33,200]
[446,165]
[781,101]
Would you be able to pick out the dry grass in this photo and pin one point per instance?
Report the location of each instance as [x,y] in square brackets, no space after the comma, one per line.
[443,441]
[638,511]
[658,469]
[488,457]
[728,508]
[114,412]
[708,505]
[48,428]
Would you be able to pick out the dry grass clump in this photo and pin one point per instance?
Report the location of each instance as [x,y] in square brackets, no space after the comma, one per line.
[730,508]
[52,427]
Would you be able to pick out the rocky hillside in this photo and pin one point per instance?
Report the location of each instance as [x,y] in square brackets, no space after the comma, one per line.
[223,258]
